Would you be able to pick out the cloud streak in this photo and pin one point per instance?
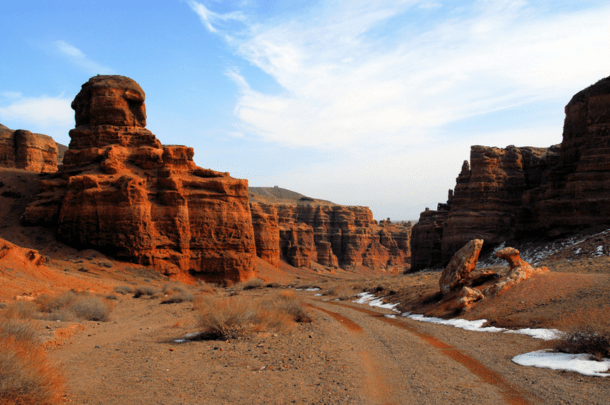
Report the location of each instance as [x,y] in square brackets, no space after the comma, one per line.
[350,81]
[41,111]
[79,59]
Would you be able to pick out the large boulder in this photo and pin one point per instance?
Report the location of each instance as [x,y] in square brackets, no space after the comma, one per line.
[122,192]
[519,271]
[464,261]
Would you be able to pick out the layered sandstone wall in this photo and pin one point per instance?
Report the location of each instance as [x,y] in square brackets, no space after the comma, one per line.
[120,191]
[511,193]
[23,149]
[332,235]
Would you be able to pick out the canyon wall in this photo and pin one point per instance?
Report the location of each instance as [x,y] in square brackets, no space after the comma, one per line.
[331,235]
[22,149]
[121,192]
[513,193]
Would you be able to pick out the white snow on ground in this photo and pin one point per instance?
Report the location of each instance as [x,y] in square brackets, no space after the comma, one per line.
[312,289]
[579,363]
[187,337]
[368,298]
[458,323]
[539,333]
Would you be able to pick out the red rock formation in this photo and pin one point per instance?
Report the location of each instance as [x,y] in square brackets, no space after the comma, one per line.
[22,149]
[334,235]
[519,271]
[120,191]
[458,271]
[267,232]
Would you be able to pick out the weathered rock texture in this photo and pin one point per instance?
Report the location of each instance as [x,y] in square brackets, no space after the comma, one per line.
[519,270]
[331,235]
[507,194]
[461,265]
[22,149]
[121,192]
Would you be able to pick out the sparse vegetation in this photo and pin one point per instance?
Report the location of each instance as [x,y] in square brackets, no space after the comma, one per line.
[341,291]
[176,293]
[252,284]
[72,304]
[588,332]
[232,317]
[26,378]
[21,310]
[123,289]
[146,290]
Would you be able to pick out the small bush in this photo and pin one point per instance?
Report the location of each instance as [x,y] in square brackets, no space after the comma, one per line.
[123,289]
[588,332]
[145,290]
[61,314]
[172,288]
[26,378]
[205,288]
[21,310]
[341,291]
[253,284]
[177,297]
[235,316]
[47,303]
[91,308]
[19,330]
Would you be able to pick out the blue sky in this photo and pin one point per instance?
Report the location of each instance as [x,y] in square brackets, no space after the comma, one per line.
[371,103]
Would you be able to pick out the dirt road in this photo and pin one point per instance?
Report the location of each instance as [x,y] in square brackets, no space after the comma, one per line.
[351,354]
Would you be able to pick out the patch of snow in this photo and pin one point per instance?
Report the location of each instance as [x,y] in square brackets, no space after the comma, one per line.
[180,340]
[392,316]
[368,298]
[312,289]
[579,363]
[318,295]
[476,326]
[599,251]
[539,333]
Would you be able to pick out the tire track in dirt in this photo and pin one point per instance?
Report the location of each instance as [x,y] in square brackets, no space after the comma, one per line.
[376,387]
[512,395]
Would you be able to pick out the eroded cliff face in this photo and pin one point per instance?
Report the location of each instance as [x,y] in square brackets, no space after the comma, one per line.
[331,235]
[120,191]
[22,149]
[511,193]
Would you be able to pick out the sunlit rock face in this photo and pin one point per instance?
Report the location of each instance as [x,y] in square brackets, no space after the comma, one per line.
[511,193]
[331,235]
[122,192]
[22,149]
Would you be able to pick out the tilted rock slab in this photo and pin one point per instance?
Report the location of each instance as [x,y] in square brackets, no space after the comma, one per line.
[456,274]
[121,192]
[519,270]
[22,149]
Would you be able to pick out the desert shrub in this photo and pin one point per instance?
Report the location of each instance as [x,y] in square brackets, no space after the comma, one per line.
[587,332]
[47,303]
[26,378]
[71,305]
[112,297]
[252,284]
[234,316]
[172,288]
[145,290]
[19,330]
[341,291]
[123,289]
[205,288]
[176,297]
[21,310]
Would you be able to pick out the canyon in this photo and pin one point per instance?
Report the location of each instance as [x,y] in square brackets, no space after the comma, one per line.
[509,194]
[23,149]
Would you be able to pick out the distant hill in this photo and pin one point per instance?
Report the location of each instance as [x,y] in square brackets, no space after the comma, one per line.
[277,195]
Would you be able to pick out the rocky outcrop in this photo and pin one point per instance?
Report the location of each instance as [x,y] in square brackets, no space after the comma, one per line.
[458,271]
[121,192]
[267,232]
[334,236]
[22,149]
[519,270]
[512,193]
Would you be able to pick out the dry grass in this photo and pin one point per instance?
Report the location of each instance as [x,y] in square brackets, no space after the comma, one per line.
[341,291]
[146,290]
[26,378]
[70,305]
[19,330]
[235,316]
[252,284]
[123,289]
[176,293]
[587,332]
[21,310]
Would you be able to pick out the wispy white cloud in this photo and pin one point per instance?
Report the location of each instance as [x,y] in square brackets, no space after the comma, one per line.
[347,89]
[78,58]
[209,18]
[41,111]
